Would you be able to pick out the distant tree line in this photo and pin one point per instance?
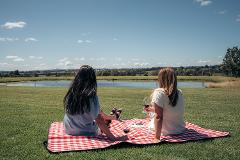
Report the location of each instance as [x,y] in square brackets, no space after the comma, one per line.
[229,67]
[180,71]
[37,73]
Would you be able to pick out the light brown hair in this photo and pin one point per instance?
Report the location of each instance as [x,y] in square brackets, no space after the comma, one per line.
[168,81]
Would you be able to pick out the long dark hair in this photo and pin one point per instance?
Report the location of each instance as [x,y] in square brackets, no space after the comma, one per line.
[168,81]
[83,87]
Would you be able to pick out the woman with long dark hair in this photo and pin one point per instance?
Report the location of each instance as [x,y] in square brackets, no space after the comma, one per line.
[82,109]
[168,105]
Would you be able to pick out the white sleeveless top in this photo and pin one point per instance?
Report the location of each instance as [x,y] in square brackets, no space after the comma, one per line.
[173,117]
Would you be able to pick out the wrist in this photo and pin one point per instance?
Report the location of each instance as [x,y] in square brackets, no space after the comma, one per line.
[157,135]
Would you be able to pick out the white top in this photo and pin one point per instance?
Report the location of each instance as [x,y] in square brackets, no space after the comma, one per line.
[173,117]
[83,124]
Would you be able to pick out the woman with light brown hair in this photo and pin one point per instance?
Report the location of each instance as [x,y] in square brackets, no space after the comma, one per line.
[168,105]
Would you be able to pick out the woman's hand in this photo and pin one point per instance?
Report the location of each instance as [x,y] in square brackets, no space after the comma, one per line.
[104,128]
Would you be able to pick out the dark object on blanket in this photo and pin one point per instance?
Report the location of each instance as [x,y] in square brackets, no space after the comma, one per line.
[116,112]
[126,130]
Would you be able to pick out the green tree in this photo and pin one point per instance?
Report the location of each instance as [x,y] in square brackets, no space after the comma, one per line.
[16,73]
[231,62]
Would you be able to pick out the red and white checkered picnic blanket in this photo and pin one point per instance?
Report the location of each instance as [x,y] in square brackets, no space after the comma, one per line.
[59,141]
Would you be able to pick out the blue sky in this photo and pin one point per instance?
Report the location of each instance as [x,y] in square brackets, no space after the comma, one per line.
[116,33]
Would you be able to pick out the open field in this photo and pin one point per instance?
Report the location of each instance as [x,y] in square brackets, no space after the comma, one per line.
[180,78]
[26,114]
[226,84]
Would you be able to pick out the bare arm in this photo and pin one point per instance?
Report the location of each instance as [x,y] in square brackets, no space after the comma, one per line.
[158,118]
[104,128]
[107,117]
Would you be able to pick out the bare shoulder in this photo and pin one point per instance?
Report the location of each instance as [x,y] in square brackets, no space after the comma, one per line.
[159,90]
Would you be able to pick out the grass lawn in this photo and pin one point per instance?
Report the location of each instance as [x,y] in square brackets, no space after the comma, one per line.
[26,114]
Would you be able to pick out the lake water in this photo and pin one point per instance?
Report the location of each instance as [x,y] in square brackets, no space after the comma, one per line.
[105,83]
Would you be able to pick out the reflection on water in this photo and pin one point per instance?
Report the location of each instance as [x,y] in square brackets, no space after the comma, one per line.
[104,83]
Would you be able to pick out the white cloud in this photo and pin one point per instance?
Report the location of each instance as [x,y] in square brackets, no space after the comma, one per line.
[15,58]
[222,12]
[7,39]
[19,59]
[238,18]
[11,25]
[144,64]
[203,61]
[178,64]
[34,57]
[3,64]
[65,62]
[26,65]
[204,2]
[42,64]
[68,63]
[118,59]
[118,65]
[63,59]
[88,41]
[7,66]
[84,41]
[135,59]
[79,59]
[136,64]
[115,39]
[31,39]
[80,41]
[11,57]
